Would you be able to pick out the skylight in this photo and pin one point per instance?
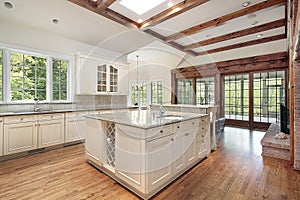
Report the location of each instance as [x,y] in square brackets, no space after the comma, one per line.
[141,6]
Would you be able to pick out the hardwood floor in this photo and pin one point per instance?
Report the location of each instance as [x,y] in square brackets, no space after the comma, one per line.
[235,170]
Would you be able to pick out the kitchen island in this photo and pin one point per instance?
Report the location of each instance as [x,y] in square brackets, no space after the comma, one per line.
[144,150]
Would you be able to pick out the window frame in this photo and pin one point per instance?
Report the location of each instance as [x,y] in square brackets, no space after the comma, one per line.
[148,84]
[7,50]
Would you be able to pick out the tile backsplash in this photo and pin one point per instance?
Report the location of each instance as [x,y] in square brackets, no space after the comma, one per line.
[81,102]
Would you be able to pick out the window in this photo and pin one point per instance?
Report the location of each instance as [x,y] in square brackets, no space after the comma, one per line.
[237,97]
[205,91]
[185,91]
[156,92]
[1,75]
[268,93]
[150,92]
[27,77]
[59,80]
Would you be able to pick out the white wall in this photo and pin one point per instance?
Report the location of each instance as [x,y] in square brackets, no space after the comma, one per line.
[155,63]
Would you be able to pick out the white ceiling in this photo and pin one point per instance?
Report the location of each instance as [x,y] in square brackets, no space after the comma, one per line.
[82,25]
[75,23]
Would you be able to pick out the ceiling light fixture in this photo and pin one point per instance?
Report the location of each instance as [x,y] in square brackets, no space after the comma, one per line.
[259,35]
[246,4]
[55,21]
[170,4]
[8,5]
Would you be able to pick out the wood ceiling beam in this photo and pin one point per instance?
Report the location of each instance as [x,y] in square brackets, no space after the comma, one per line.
[221,20]
[172,12]
[172,44]
[241,33]
[244,44]
[116,17]
[103,4]
[240,61]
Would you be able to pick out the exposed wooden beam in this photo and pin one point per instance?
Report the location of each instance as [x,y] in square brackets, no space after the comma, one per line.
[229,36]
[172,12]
[244,44]
[103,4]
[172,44]
[254,60]
[106,13]
[225,18]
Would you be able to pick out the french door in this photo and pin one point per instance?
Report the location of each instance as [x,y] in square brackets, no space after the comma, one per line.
[254,99]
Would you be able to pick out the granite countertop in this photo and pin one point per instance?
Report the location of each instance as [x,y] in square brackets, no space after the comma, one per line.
[145,118]
[3,114]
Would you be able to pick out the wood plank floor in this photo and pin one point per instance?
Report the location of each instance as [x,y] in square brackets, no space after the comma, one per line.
[235,171]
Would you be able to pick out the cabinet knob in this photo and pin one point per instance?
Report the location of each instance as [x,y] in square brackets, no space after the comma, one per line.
[21,119]
[172,139]
[193,123]
[178,126]
[161,131]
[186,134]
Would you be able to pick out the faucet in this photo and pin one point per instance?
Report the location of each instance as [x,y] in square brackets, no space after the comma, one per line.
[36,108]
[162,110]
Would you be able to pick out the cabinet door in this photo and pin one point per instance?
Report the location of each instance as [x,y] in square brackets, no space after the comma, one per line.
[1,136]
[159,165]
[123,84]
[189,144]
[50,133]
[178,152]
[20,137]
[94,141]
[130,156]
[75,129]
[86,82]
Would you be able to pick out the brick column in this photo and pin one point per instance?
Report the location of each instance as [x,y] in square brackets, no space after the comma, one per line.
[297,116]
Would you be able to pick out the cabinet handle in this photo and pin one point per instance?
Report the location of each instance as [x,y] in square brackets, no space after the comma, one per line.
[186,134]
[193,123]
[202,135]
[202,128]
[21,119]
[161,131]
[178,126]
[172,139]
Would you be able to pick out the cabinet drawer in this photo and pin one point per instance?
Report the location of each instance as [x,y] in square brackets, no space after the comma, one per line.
[19,119]
[50,116]
[159,132]
[189,124]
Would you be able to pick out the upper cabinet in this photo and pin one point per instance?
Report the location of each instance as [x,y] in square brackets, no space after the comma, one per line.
[98,76]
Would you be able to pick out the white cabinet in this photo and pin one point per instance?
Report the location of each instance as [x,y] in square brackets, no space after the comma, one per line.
[86,79]
[94,141]
[130,156]
[75,126]
[50,129]
[98,76]
[159,168]
[20,134]
[1,136]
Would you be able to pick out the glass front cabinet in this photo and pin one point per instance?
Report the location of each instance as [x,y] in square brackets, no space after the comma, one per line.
[97,76]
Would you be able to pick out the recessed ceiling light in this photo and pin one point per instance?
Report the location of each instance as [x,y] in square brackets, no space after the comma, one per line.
[208,35]
[55,21]
[254,23]
[94,0]
[259,35]
[170,4]
[8,5]
[140,21]
[141,6]
[246,4]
